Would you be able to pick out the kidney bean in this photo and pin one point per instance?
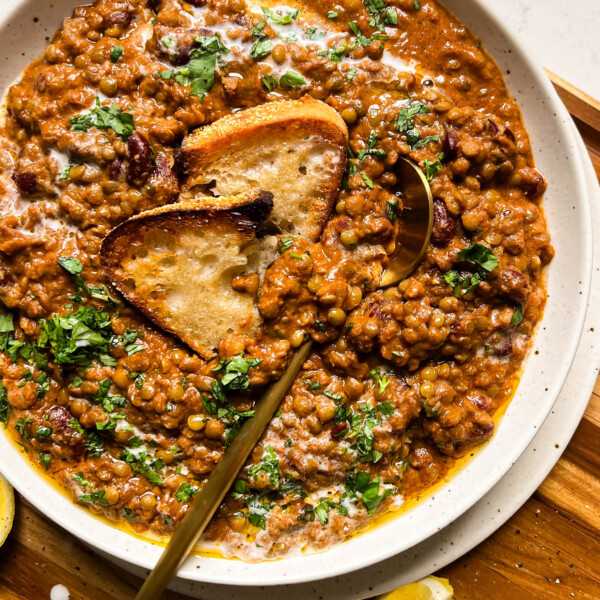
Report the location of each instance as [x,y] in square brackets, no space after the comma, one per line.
[163,170]
[493,127]
[505,347]
[510,135]
[533,183]
[59,417]
[450,144]
[119,18]
[26,182]
[444,226]
[337,429]
[513,283]
[480,400]
[140,158]
[114,170]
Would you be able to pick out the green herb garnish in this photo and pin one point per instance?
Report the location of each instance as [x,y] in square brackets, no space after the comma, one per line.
[105,117]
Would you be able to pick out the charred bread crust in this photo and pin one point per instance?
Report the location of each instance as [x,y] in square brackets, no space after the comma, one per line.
[244,214]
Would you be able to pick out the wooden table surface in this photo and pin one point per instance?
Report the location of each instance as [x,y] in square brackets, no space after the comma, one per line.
[549,550]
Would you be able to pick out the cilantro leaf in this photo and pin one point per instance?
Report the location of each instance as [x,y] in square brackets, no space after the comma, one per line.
[382,380]
[116,53]
[94,497]
[517,315]
[432,168]
[481,255]
[5,407]
[185,492]
[269,82]
[291,79]
[261,48]
[269,465]
[199,73]
[278,19]
[6,323]
[392,209]
[105,117]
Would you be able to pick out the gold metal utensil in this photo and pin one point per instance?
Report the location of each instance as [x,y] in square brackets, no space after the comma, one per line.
[417,216]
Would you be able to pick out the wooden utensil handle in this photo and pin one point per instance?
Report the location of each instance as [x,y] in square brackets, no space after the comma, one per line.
[578,103]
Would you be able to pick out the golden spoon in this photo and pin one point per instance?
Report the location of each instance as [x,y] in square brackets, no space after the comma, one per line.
[417,214]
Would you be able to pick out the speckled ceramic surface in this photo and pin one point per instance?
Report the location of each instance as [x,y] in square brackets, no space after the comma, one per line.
[568,210]
[491,512]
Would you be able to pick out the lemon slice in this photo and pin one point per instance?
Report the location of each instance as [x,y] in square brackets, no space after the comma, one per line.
[430,588]
[7,509]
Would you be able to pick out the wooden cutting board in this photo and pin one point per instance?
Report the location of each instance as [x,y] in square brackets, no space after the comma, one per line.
[550,550]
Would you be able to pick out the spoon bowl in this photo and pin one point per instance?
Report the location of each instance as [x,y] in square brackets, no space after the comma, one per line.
[417,216]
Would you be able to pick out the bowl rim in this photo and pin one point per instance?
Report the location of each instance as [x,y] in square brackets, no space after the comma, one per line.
[126,547]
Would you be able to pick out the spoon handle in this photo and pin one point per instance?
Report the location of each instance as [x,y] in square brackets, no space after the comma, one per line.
[218,483]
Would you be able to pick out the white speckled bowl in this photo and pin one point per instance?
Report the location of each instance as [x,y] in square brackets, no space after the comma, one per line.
[21,39]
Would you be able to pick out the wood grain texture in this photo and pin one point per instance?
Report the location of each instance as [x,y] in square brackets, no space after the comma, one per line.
[549,550]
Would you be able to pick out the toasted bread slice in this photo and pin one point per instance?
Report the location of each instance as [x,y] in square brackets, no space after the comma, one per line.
[295,149]
[176,264]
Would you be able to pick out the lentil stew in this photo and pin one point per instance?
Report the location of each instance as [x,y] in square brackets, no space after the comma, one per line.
[402,382]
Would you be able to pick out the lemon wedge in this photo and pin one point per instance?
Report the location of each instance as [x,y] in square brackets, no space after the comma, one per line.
[7,509]
[430,588]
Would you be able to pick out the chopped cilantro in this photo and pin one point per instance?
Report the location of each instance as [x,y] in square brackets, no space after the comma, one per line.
[370,150]
[291,79]
[109,426]
[6,323]
[94,497]
[43,433]
[380,14]
[105,117]
[278,19]
[77,338]
[185,492]
[255,32]
[432,168]
[367,180]
[257,506]
[261,48]
[332,14]
[269,466]
[269,82]
[199,73]
[285,243]
[74,267]
[425,141]
[65,172]
[386,409]
[517,315]
[21,427]
[4,405]
[360,486]
[382,380]
[392,209]
[45,459]
[116,53]
[479,254]
[81,480]
[235,375]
